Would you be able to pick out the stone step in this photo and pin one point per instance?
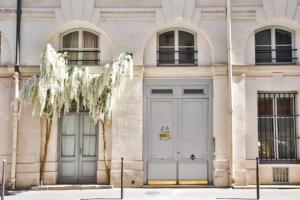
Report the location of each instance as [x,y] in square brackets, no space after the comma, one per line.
[179,186]
[268,187]
[71,187]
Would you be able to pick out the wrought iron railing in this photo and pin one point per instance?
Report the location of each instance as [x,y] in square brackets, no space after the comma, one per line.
[181,57]
[276,56]
[82,57]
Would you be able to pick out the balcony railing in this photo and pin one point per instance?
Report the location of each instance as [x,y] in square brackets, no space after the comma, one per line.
[82,57]
[177,58]
[275,56]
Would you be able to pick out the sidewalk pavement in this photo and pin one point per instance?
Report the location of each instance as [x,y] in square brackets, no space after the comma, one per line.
[157,194]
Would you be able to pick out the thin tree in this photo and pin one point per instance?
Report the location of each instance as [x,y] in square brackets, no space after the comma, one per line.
[58,86]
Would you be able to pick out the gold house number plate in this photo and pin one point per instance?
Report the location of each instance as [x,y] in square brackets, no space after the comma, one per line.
[165,136]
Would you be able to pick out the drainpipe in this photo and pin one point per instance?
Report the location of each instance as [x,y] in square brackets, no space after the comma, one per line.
[16,99]
[229,77]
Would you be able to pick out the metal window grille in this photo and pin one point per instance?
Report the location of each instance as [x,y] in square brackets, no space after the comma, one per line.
[277,126]
[280,175]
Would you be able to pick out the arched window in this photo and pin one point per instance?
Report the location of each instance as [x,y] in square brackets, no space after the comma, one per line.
[82,47]
[274,45]
[176,48]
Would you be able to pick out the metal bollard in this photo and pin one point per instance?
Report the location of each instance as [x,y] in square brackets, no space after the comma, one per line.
[3,180]
[257,179]
[122,189]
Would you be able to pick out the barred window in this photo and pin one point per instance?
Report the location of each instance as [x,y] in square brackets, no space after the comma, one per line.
[82,47]
[176,48]
[274,45]
[277,126]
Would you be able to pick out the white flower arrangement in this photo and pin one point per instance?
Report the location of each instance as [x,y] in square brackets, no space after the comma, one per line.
[58,86]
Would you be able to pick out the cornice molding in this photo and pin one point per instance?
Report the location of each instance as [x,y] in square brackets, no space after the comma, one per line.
[36,14]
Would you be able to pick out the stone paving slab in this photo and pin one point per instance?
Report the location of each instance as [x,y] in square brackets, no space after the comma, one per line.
[158,194]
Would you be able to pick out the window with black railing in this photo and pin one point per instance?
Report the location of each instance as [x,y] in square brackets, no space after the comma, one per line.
[274,46]
[176,48]
[277,134]
[82,47]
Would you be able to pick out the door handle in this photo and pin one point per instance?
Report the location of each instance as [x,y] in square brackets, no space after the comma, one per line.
[80,151]
[193,157]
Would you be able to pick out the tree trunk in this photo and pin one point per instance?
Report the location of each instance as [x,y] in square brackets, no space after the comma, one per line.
[43,161]
[104,134]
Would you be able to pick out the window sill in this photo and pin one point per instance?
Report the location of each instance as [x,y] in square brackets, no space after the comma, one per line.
[177,65]
[262,64]
[283,162]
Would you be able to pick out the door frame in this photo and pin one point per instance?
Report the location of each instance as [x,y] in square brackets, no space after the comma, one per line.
[175,84]
[78,144]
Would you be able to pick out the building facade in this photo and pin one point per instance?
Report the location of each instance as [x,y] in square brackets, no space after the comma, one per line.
[175,123]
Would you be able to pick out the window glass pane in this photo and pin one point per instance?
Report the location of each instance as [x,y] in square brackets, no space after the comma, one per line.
[68,125]
[90,58]
[266,138]
[263,54]
[69,129]
[88,126]
[285,105]
[89,146]
[68,146]
[90,40]
[284,54]
[265,105]
[283,37]
[186,55]
[71,40]
[186,39]
[263,37]
[167,39]
[166,56]
[285,138]
[72,57]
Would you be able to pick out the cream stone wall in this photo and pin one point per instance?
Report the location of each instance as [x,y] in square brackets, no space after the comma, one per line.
[220,132]
[28,149]
[127,129]
[279,81]
[6,85]
[133,26]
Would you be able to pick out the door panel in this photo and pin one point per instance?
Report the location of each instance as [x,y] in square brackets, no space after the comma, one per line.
[78,149]
[192,162]
[163,137]
[69,149]
[178,153]
[88,158]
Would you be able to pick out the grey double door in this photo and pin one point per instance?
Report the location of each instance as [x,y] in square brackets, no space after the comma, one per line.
[177,138]
[78,149]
